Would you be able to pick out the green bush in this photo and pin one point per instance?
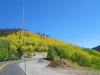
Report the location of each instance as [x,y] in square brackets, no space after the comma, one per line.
[52,55]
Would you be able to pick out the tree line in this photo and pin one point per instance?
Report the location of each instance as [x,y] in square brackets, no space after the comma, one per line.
[7,31]
[82,57]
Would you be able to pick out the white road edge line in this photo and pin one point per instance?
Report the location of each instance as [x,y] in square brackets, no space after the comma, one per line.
[23,69]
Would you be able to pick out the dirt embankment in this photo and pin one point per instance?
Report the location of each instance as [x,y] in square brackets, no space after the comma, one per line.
[38,66]
[60,63]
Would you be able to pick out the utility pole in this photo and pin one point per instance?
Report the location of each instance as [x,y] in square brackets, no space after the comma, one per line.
[22,16]
[23,35]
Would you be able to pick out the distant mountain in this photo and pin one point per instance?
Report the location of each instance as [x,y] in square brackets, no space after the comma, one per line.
[97,48]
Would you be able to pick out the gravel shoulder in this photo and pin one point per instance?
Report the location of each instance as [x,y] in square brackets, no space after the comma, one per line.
[37,66]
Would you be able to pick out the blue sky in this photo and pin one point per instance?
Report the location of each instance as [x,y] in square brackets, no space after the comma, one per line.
[73,21]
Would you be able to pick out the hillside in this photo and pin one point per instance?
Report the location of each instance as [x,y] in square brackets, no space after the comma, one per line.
[97,48]
[14,43]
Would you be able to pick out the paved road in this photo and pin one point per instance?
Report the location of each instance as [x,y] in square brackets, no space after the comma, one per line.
[12,68]
[2,63]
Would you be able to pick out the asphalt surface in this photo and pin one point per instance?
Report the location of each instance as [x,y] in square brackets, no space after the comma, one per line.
[2,63]
[12,68]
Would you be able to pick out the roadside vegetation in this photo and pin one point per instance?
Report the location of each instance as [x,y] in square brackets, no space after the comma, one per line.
[82,57]
[14,42]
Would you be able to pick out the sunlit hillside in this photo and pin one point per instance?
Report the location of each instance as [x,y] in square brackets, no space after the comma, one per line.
[14,43]
[34,41]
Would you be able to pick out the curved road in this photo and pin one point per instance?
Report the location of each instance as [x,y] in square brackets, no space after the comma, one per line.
[11,68]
